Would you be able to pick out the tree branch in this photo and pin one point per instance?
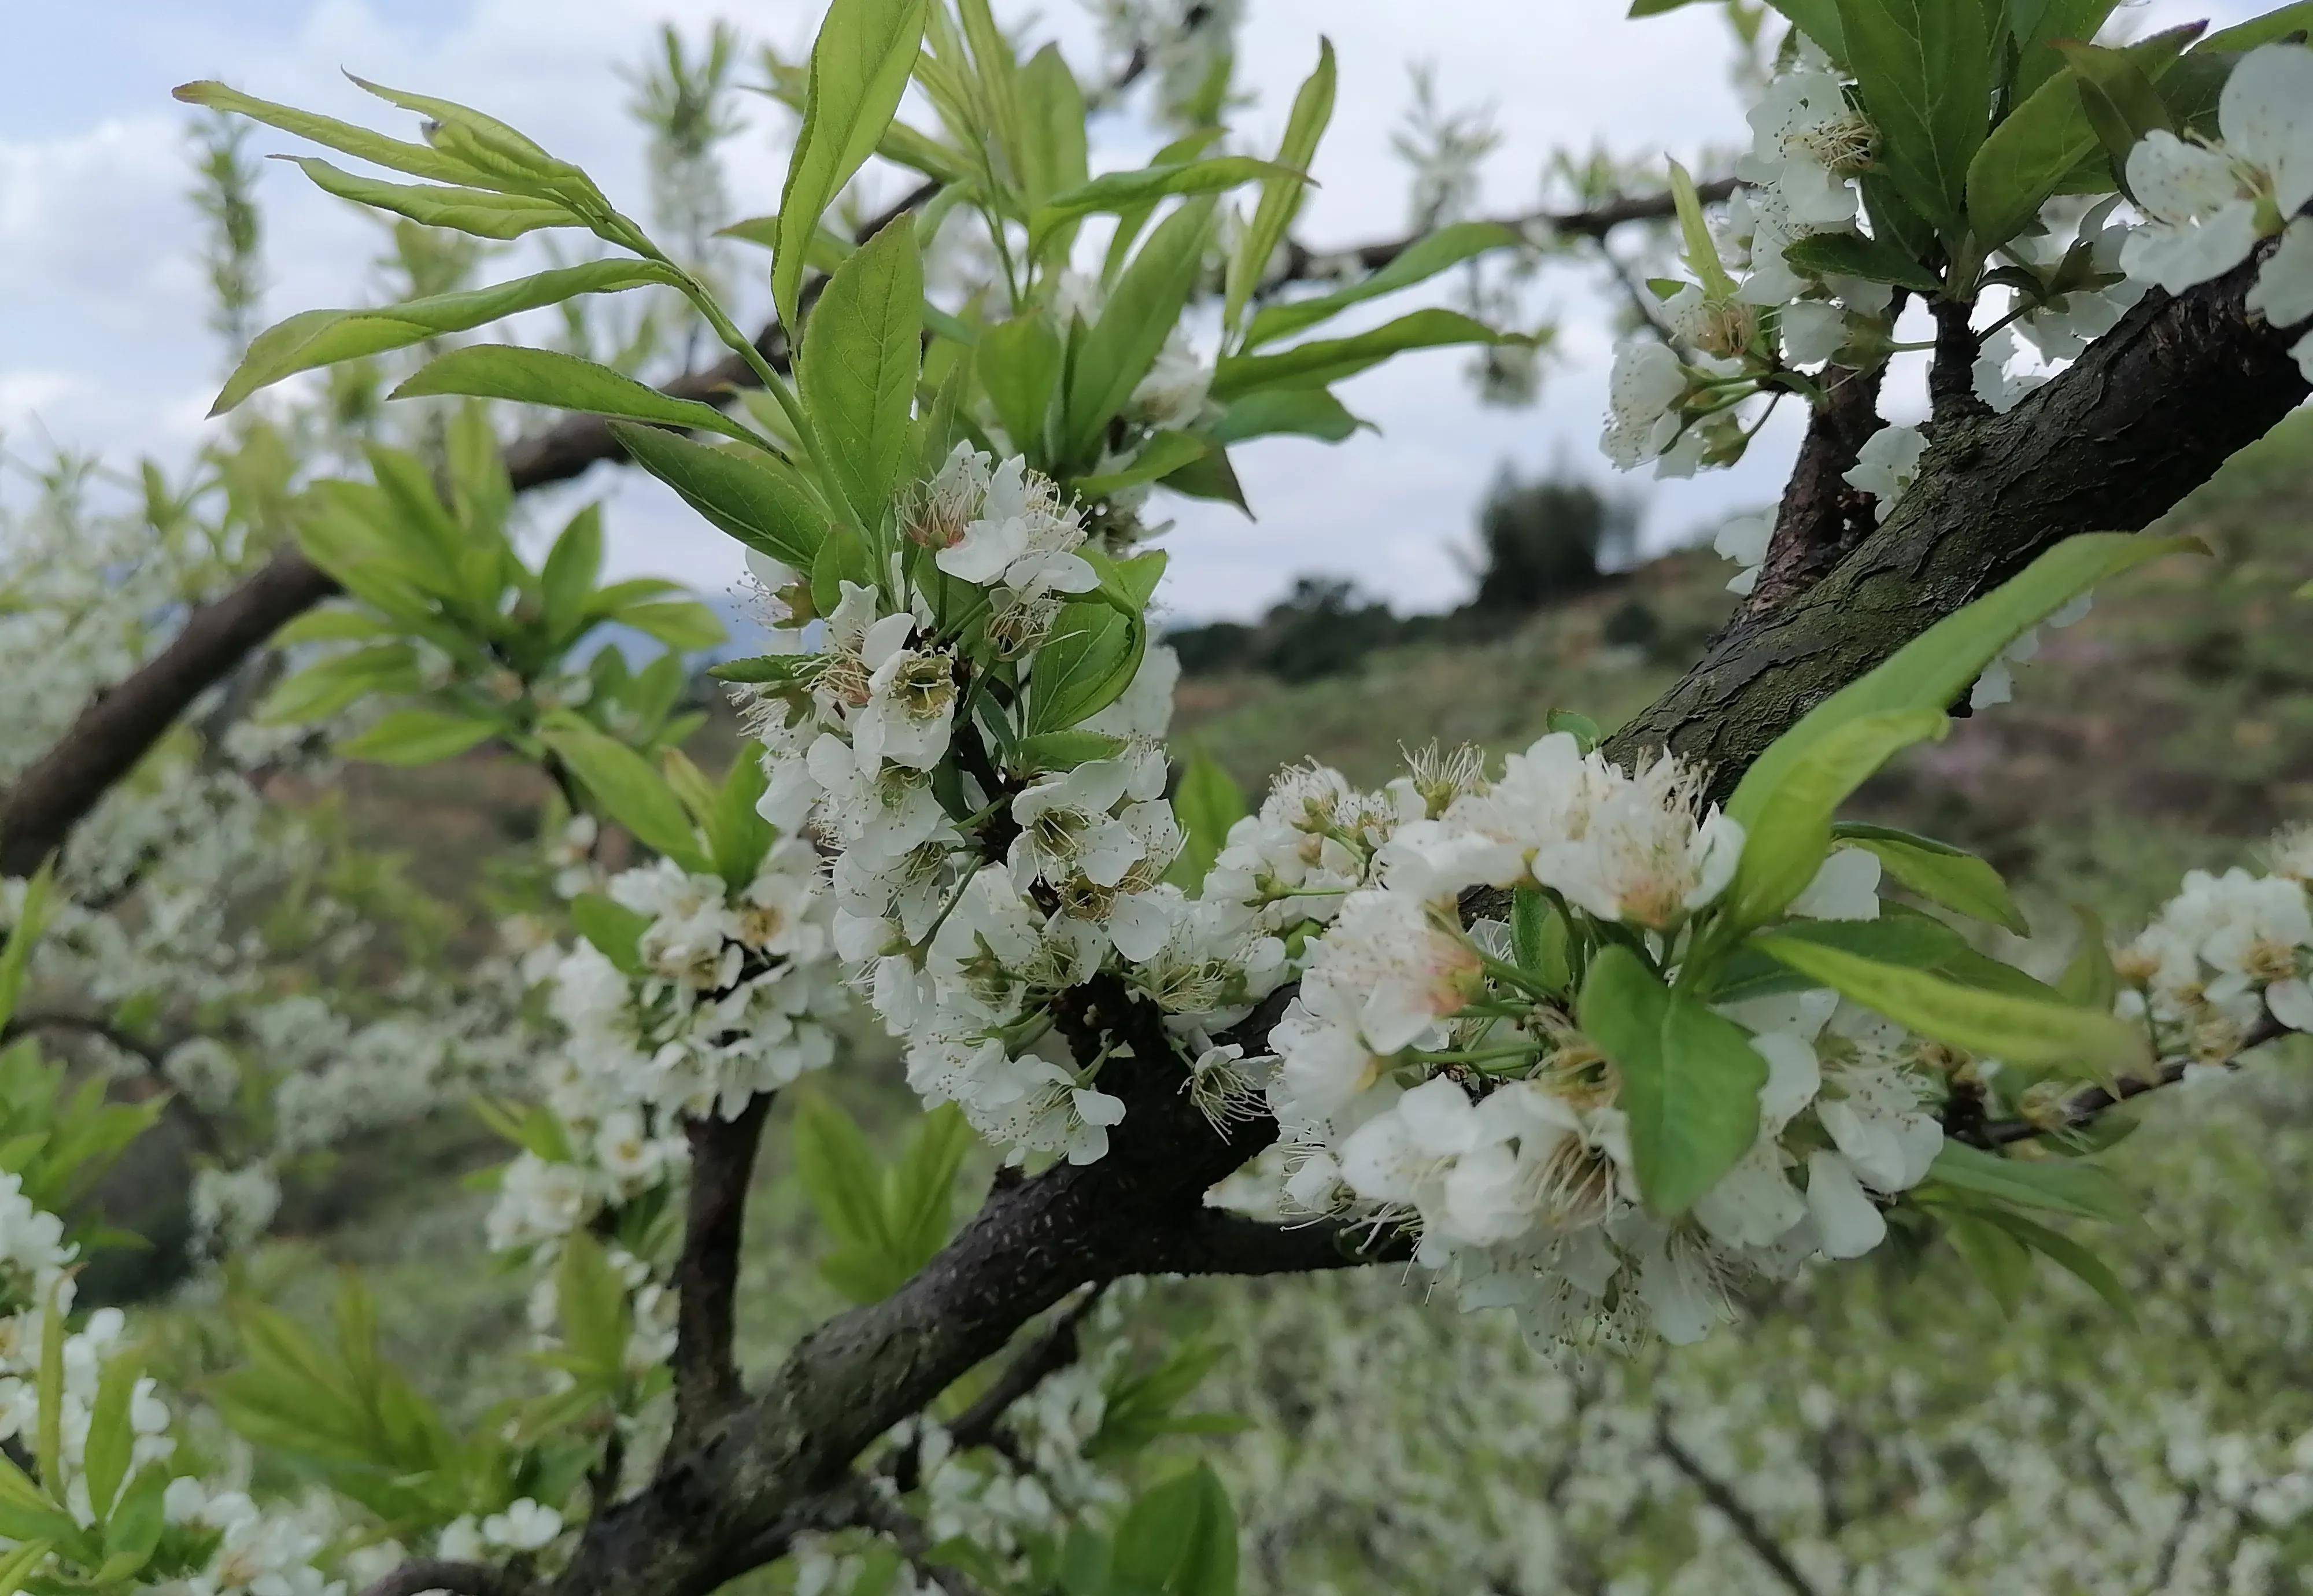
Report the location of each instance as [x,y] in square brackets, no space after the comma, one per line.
[707,1275]
[460,1579]
[2144,416]
[1058,1347]
[1821,517]
[2085,1106]
[1732,1508]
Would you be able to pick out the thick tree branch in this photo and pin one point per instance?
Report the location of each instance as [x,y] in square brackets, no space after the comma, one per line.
[706,1273]
[1821,517]
[2140,420]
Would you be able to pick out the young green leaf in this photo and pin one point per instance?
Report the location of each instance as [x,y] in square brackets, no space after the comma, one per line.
[630,791]
[2090,979]
[417,160]
[2037,146]
[1178,1539]
[1933,669]
[1084,665]
[1691,1078]
[615,930]
[1422,260]
[1118,192]
[861,353]
[2021,1030]
[572,568]
[418,736]
[1327,360]
[312,338]
[564,382]
[1851,254]
[1164,453]
[1121,346]
[1938,872]
[1787,827]
[1019,365]
[859,68]
[2118,97]
[1053,157]
[1206,803]
[1285,412]
[1280,196]
[753,495]
[483,212]
[1701,252]
[16,955]
[2059,1186]
[2068,1256]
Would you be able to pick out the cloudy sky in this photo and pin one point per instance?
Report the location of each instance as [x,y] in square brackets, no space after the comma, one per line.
[103,344]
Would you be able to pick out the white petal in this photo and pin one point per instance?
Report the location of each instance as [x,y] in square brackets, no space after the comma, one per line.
[1848,1221]
[2283,294]
[2266,114]
[2291,1003]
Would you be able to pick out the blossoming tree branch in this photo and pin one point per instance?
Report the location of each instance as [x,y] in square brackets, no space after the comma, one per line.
[1593,1035]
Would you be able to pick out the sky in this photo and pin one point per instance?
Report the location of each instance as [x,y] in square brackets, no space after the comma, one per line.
[103,346]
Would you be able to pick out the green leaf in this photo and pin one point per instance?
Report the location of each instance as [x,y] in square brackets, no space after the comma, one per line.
[1132,220]
[1996,1258]
[17,1567]
[1211,475]
[630,791]
[615,930]
[1933,669]
[1691,1078]
[328,685]
[1062,751]
[483,212]
[1418,262]
[920,1192]
[2070,1255]
[753,496]
[1540,938]
[1178,1539]
[1206,803]
[508,158]
[419,160]
[418,736]
[133,1531]
[1702,251]
[2118,97]
[592,1304]
[1787,827]
[1281,197]
[1139,315]
[16,955]
[565,382]
[1019,365]
[1327,360]
[1084,665]
[1114,193]
[572,568]
[2033,153]
[1851,255]
[1926,69]
[1164,453]
[1819,21]
[2273,26]
[2060,1186]
[1584,730]
[860,64]
[1052,143]
[48,1428]
[2039,24]
[685,626]
[2021,1030]
[111,1439]
[861,352]
[2088,979]
[1297,413]
[1938,872]
[312,338]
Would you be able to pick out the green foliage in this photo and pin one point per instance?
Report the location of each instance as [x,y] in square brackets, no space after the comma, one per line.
[1084,665]
[1281,195]
[1206,802]
[1690,1080]
[623,783]
[886,1219]
[1926,69]
[565,382]
[860,64]
[861,353]
[1938,872]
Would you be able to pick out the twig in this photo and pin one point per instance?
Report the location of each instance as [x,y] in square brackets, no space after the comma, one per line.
[1731,1507]
[2083,1106]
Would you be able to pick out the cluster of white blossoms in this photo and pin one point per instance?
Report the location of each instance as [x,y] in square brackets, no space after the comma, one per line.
[726,996]
[2210,204]
[2223,953]
[1422,1079]
[966,910]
